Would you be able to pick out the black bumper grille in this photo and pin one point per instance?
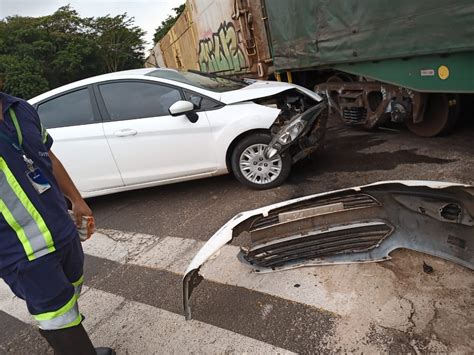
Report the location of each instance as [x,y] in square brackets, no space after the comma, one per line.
[352,238]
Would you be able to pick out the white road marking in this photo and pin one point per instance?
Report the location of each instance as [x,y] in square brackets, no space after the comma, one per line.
[393,295]
[13,305]
[383,295]
[174,254]
[135,328]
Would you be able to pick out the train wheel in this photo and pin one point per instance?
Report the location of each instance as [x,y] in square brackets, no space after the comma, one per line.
[441,114]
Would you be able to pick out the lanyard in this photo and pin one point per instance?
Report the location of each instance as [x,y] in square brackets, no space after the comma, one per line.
[17,127]
[18,146]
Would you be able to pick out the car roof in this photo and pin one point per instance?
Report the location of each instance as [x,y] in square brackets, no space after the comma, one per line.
[132,73]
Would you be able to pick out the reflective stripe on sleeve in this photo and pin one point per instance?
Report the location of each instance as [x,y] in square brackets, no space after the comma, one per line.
[22,216]
[65,317]
[44,134]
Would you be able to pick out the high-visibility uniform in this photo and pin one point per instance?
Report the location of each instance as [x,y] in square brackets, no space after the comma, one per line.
[41,258]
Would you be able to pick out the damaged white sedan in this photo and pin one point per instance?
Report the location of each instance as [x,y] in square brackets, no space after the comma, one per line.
[354,225]
[148,127]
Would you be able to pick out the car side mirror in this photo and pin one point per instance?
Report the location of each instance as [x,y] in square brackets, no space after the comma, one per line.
[184,108]
[180,108]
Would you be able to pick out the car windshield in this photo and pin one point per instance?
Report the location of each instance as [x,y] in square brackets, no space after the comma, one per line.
[201,80]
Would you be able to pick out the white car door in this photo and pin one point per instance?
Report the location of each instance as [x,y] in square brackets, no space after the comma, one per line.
[72,120]
[148,144]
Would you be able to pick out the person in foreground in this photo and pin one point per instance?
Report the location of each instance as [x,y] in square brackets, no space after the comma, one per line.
[41,257]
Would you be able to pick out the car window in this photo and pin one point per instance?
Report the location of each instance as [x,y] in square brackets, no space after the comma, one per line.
[200,102]
[72,109]
[129,100]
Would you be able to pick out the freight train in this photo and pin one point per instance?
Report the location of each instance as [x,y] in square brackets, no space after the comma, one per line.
[377,61]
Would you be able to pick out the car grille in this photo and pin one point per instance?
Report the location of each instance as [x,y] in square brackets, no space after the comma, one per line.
[349,238]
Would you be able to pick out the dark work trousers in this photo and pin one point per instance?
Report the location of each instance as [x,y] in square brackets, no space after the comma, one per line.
[50,285]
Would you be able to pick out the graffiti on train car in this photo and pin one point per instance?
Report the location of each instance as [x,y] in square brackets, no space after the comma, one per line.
[221,52]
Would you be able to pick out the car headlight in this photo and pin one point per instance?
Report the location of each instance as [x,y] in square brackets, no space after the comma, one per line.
[289,133]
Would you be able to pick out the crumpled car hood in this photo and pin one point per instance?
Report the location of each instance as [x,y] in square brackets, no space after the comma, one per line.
[260,89]
[359,224]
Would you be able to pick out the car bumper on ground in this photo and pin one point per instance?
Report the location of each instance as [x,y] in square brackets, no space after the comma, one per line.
[354,225]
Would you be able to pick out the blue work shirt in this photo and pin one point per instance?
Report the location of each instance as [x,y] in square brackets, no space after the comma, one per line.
[20,203]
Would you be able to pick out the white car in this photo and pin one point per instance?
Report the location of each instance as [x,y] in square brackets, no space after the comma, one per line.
[148,127]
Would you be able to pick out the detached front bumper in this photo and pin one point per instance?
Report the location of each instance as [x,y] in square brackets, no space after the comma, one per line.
[354,225]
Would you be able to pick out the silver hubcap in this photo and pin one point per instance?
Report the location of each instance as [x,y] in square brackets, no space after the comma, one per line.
[258,169]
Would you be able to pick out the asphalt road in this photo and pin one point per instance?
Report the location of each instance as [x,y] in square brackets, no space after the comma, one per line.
[134,268]
[350,157]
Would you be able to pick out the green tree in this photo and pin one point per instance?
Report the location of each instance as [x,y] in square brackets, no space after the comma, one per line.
[21,78]
[21,74]
[120,42]
[37,54]
[166,25]
[74,55]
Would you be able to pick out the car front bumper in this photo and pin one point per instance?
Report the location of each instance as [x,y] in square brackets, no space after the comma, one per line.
[354,225]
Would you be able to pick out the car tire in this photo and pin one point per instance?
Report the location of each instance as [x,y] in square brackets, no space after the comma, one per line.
[247,158]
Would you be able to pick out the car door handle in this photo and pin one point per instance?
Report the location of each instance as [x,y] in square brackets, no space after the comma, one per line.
[125,132]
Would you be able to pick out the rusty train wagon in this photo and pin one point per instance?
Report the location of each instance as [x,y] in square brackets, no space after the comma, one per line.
[377,61]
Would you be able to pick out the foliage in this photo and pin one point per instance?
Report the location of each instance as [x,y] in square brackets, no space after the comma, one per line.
[119,43]
[38,54]
[21,78]
[166,25]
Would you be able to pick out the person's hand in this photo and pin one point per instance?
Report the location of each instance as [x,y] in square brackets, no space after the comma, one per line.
[80,210]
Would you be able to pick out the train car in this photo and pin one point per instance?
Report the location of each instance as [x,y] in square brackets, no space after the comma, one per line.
[376,60]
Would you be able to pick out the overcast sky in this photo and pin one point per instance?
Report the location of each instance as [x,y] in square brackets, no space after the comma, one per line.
[148,14]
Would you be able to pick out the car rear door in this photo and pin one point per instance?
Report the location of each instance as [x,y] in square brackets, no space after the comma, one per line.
[148,144]
[73,121]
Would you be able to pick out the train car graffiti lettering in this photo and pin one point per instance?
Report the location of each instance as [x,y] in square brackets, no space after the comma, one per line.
[221,52]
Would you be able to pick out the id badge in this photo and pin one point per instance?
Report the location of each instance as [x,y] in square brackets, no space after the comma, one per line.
[37,179]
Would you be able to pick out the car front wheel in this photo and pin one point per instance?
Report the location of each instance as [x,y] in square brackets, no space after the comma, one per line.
[253,169]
